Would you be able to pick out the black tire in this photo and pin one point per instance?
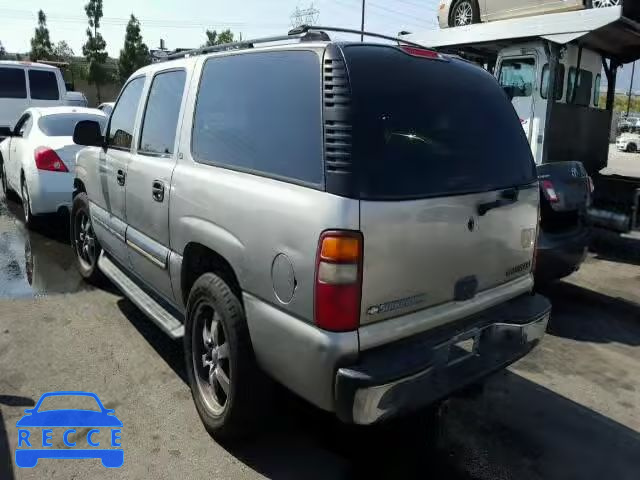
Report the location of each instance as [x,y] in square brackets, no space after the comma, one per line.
[86,257]
[30,220]
[464,9]
[632,148]
[234,413]
[4,180]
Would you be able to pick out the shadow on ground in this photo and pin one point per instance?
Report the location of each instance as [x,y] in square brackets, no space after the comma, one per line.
[586,315]
[6,459]
[513,429]
[613,247]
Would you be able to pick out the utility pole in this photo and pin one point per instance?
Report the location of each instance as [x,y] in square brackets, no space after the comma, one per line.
[362,24]
[633,72]
[305,16]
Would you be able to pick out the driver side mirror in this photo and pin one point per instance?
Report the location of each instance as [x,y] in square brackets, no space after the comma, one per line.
[510,91]
[88,133]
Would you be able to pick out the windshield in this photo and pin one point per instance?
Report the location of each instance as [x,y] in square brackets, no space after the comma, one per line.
[424,127]
[517,76]
[63,125]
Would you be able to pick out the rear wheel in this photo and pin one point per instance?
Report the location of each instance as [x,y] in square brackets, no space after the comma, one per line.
[228,389]
[4,180]
[465,12]
[632,148]
[84,241]
[29,219]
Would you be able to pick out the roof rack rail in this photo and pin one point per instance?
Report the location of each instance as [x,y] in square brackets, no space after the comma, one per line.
[303,33]
[315,36]
[313,28]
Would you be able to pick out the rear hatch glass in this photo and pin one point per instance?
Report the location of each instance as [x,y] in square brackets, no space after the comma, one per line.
[425,128]
[434,142]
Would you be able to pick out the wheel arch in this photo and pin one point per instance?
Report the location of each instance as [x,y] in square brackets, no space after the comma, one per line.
[78,187]
[198,259]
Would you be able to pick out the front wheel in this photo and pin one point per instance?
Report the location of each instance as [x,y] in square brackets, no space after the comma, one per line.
[84,241]
[227,387]
[4,181]
[464,12]
[29,219]
[632,148]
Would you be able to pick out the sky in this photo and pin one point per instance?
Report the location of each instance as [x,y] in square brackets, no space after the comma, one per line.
[182,23]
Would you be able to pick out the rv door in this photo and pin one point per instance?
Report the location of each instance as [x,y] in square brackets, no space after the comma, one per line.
[517,76]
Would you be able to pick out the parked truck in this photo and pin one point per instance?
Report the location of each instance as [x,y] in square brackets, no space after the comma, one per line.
[565,121]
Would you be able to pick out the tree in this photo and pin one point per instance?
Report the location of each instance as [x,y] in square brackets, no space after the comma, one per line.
[3,52]
[63,52]
[213,38]
[41,48]
[135,53]
[94,48]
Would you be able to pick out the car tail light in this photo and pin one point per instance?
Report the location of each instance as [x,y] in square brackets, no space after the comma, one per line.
[550,191]
[47,159]
[535,244]
[422,52]
[338,285]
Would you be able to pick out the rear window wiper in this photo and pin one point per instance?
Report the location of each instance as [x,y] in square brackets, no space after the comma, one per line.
[506,197]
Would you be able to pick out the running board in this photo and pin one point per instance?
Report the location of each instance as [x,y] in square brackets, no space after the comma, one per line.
[167,322]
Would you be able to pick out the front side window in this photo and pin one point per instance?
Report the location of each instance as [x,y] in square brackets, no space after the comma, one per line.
[544,85]
[123,116]
[579,92]
[261,112]
[23,127]
[43,85]
[161,115]
[518,76]
[12,83]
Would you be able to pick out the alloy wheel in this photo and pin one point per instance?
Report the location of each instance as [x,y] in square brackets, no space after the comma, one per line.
[606,3]
[25,202]
[463,14]
[85,239]
[210,355]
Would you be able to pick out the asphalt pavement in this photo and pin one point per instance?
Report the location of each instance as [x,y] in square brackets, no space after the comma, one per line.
[569,410]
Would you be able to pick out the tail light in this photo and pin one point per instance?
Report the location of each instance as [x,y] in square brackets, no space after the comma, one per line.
[338,285]
[535,244]
[550,191]
[47,159]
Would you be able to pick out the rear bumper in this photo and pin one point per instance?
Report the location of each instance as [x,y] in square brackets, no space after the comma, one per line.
[559,255]
[402,377]
[50,191]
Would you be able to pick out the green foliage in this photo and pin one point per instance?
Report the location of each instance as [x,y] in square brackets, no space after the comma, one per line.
[213,38]
[135,53]
[94,48]
[41,48]
[3,52]
[621,101]
[63,52]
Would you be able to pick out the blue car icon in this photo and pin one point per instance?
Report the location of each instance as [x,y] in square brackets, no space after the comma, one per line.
[98,421]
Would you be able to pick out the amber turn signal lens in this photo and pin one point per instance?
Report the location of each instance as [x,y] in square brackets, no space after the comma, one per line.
[340,249]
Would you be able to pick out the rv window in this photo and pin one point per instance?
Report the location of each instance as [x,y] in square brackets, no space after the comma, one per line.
[517,76]
[544,84]
[582,93]
[596,91]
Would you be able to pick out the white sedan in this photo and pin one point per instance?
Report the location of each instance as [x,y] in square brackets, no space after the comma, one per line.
[38,160]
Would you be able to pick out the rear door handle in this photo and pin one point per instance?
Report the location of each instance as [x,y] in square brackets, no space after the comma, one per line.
[506,197]
[120,177]
[157,190]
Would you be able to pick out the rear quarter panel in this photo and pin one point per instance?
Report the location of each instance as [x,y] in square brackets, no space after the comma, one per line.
[88,172]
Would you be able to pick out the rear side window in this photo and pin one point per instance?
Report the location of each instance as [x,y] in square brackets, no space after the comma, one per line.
[424,127]
[63,125]
[161,115]
[12,83]
[43,85]
[579,93]
[123,116]
[261,112]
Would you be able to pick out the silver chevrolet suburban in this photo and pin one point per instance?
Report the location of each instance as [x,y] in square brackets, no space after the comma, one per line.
[309,211]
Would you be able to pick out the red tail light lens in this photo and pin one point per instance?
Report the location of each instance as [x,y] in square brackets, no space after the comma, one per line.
[47,159]
[550,191]
[422,52]
[338,286]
